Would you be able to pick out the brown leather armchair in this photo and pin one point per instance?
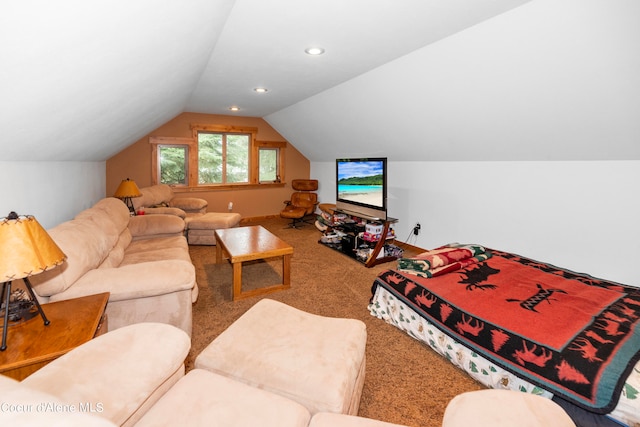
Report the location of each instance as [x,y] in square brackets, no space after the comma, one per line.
[303,201]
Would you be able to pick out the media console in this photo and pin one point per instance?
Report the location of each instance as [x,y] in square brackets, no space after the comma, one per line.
[368,240]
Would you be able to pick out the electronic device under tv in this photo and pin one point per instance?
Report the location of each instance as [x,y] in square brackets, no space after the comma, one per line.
[361,187]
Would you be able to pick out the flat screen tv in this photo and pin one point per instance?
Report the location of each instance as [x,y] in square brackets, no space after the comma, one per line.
[361,187]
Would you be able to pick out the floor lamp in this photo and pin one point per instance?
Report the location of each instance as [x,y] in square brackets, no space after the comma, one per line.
[26,249]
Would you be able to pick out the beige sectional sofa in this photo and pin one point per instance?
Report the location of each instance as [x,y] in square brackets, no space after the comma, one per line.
[136,376]
[142,261]
[200,225]
[160,199]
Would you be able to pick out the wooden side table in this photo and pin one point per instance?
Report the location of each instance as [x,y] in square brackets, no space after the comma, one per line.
[31,345]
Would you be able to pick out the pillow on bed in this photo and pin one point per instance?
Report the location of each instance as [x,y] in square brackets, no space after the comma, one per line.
[442,260]
[448,254]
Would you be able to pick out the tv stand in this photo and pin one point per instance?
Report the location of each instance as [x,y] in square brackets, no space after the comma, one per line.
[347,234]
[359,215]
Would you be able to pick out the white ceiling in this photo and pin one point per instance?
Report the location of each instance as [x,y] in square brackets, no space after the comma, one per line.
[263,44]
[448,79]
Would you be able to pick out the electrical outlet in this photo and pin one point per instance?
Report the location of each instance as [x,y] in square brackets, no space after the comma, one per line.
[416,229]
[230,207]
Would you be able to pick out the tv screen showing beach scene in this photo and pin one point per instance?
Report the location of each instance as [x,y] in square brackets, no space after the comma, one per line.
[362,181]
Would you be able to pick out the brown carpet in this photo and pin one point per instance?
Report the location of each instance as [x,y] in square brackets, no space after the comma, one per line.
[405,382]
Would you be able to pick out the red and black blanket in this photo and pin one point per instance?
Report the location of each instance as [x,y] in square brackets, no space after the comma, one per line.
[572,334]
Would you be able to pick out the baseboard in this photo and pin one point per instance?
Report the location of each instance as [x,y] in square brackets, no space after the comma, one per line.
[403,245]
[407,246]
[257,218]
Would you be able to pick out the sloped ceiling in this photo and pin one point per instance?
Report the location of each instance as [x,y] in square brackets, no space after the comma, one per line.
[81,80]
[547,81]
[434,79]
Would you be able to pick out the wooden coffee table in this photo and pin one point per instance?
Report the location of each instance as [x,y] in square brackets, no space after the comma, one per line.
[31,345]
[252,243]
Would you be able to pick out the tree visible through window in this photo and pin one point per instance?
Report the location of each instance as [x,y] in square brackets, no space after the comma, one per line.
[173,164]
[217,156]
[223,158]
[269,165]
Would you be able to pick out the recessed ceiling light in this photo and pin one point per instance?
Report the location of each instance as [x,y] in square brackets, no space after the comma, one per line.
[234,108]
[314,50]
[261,89]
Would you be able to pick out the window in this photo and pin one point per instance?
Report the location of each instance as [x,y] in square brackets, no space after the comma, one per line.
[174,167]
[268,161]
[217,157]
[223,158]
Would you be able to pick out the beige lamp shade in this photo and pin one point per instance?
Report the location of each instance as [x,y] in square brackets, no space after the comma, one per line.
[26,249]
[126,189]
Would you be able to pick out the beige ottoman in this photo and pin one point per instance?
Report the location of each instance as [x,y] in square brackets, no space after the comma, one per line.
[314,360]
[495,408]
[327,419]
[203,398]
[201,228]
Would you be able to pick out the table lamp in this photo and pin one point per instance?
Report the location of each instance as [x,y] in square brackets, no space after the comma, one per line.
[126,191]
[26,249]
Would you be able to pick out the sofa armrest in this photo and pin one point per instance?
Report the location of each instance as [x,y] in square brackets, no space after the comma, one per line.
[146,226]
[121,373]
[133,281]
[189,204]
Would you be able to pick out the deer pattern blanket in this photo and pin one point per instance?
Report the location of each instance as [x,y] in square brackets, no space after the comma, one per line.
[572,334]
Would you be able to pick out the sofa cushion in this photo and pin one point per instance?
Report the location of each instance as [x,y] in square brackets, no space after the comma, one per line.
[189,204]
[103,221]
[134,281]
[117,214]
[203,398]
[152,226]
[164,248]
[80,257]
[153,196]
[115,257]
[120,369]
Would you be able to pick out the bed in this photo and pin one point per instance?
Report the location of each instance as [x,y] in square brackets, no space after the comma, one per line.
[515,323]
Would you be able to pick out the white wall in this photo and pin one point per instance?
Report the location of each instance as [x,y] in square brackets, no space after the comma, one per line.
[581,215]
[53,192]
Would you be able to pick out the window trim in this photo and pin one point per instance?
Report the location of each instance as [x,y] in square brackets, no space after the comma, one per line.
[225,150]
[271,145]
[192,143]
[193,160]
[156,141]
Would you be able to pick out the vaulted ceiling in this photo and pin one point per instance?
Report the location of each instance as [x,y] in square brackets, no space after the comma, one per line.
[432,79]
